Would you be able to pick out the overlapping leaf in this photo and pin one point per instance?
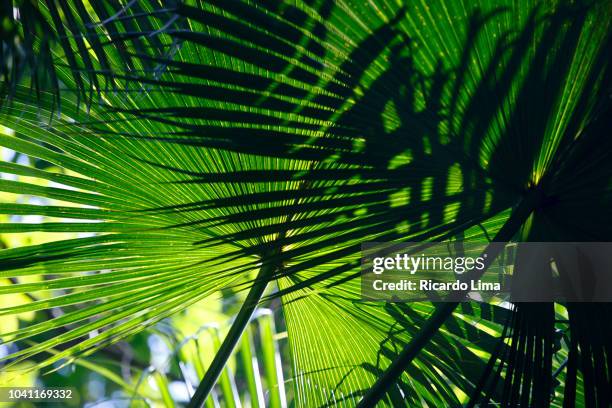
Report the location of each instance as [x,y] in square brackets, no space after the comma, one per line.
[288,135]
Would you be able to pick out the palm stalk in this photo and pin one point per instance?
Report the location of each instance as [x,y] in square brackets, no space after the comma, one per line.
[266,273]
[443,310]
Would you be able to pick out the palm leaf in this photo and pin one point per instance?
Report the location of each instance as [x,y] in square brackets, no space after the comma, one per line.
[280,137]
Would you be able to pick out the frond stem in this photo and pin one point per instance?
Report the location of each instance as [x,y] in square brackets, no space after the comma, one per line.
[444,310]
[233,336]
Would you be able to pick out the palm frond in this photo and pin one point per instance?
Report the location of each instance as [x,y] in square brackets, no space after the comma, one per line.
[279,137]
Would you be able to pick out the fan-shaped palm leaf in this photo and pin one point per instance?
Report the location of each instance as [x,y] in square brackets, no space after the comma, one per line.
[279,137]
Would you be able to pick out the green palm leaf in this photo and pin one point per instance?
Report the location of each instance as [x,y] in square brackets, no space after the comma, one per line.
[277,138]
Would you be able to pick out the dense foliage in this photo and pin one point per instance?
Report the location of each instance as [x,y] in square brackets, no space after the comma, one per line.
[201,146]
